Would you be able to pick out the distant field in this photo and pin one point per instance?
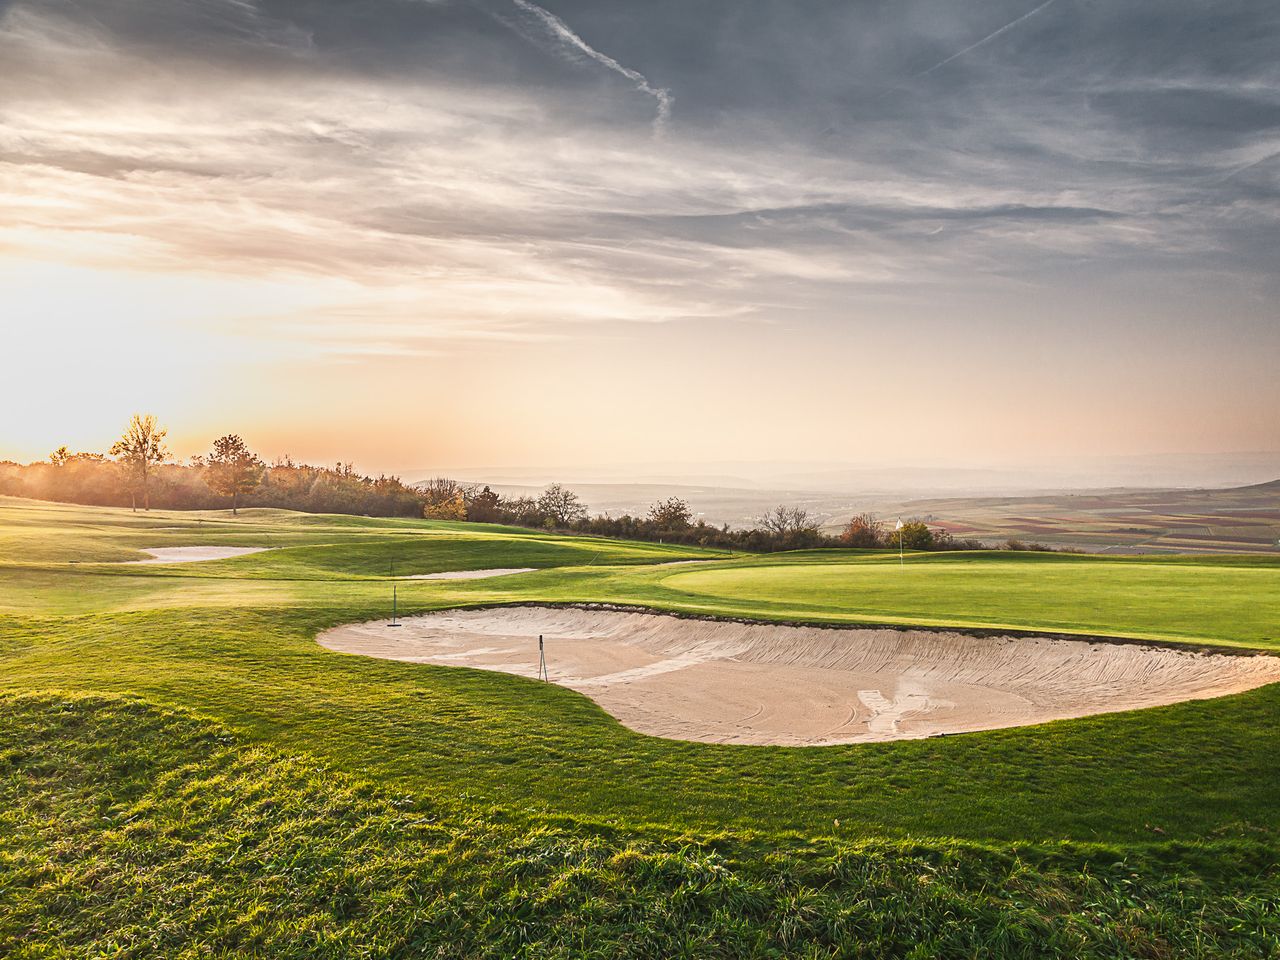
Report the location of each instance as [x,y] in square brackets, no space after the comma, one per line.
[1241,519]
[487,775]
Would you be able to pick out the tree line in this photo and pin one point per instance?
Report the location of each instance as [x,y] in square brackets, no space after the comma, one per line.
[672,521]
[138,471]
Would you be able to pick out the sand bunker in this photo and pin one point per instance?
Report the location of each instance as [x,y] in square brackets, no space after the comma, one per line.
[725,682]
[469,574]
[193,554]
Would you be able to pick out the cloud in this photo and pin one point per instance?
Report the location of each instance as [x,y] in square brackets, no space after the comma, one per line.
[466,200]
[562,35]
[450,190]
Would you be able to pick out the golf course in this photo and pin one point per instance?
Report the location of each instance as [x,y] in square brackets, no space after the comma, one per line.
[186,771]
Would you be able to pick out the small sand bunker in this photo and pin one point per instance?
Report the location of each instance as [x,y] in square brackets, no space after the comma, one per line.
[725,682]
[193,554]
[469,574]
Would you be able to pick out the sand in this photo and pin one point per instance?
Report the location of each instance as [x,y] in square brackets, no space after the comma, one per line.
[194,554]
[727,682]
[469,574]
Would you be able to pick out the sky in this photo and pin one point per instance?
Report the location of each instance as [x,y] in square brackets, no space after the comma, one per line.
[409,233]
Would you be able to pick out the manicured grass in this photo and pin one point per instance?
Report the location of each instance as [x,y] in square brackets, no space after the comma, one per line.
[472,737]
[1195,599]
[130,832]
[36,532]
[234,640]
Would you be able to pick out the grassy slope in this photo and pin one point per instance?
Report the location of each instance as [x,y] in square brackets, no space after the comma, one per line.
[137,833]
[234,639]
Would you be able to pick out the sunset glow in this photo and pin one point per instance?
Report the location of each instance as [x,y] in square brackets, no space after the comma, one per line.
[445,233]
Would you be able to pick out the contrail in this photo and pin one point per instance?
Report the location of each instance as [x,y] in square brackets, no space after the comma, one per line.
[1248,166]
[987,39]
[560,31]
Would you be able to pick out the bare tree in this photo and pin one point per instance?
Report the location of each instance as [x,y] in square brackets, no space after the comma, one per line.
[783,521]
[671,514]
[439,489]
[138,450]
[521,510]
[232,469]
[561,507]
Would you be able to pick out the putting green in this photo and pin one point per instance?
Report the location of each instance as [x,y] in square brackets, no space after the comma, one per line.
[1211,601]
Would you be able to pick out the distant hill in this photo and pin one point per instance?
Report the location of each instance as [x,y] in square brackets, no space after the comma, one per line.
[1236,519]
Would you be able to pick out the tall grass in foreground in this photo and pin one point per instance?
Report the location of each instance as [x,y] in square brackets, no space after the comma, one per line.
[127,831]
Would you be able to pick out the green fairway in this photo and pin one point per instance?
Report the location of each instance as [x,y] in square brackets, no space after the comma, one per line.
[233,640]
